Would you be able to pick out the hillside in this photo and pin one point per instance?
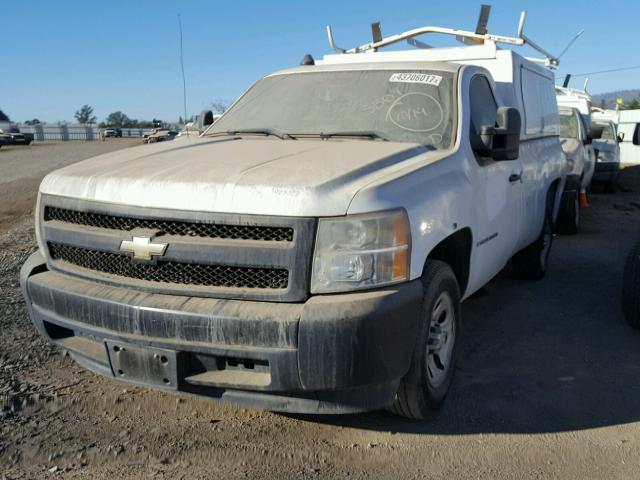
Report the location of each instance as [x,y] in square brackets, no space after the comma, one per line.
[610,97]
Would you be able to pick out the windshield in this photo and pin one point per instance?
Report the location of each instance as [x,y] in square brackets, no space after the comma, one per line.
[569,125]
[607,131]
[402,106]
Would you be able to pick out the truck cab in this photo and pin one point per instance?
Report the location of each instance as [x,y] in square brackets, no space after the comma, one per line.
[310,250]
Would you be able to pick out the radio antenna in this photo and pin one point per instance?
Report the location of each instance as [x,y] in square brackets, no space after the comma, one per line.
[184,82]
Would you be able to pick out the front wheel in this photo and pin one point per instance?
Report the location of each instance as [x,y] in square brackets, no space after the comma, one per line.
[425,386]
[531,262]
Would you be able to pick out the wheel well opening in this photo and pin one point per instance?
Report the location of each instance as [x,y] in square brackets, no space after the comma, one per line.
[455,250]
[553,200]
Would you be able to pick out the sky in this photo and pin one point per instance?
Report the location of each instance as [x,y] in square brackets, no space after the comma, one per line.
[124,55]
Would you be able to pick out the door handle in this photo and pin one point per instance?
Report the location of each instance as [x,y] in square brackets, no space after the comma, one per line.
[514,177]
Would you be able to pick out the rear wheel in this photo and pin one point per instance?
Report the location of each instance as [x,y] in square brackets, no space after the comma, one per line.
[531,262]
[569,217]
[425,386]
[631,288]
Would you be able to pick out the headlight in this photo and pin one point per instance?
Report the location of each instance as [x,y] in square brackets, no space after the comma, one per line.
[361,251]
[39,241]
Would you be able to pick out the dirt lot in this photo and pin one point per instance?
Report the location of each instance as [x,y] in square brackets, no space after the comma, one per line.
[548,383]
[23,167]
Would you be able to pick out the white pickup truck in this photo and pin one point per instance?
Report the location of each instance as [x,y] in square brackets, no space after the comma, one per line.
[309,252]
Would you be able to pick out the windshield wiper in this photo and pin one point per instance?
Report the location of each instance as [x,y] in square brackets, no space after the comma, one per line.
[254,131]
[370,134]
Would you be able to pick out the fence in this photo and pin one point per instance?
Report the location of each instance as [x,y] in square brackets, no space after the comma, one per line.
[65,132]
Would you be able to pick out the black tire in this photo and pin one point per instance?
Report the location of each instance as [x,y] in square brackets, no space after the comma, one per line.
[426,384]
[569,217]
[531,262]
[631,288]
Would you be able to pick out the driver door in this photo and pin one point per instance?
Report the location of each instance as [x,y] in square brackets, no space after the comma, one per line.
[498,207]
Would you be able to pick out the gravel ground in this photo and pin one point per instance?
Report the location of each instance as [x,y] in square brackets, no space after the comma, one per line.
[547,387]
[23,167]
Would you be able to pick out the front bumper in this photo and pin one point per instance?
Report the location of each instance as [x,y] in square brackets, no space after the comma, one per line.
[332,354]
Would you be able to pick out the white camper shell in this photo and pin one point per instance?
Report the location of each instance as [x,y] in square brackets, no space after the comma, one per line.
[309,252]
[579,99]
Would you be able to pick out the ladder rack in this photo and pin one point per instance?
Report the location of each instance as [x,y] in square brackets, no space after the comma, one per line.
[462,35]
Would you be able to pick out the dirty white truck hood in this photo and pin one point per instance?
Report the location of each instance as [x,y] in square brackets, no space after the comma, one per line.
[250,175]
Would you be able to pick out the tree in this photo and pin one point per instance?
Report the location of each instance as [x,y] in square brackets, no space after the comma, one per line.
[4,117]
[119,120]
[85,115]
[34,121]
[219,106]
[634,105]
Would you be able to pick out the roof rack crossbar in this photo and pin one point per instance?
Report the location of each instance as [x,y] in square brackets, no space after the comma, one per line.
[520,40]
[332,43]
[424,30]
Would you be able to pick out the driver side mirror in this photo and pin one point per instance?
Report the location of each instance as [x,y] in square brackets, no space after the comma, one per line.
[620,137]
[501,142]
[205,119]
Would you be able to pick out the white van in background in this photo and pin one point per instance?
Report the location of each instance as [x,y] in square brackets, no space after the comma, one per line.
[629,130]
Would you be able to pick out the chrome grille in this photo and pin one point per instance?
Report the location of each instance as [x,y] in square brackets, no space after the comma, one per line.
[171,272]
[171,227]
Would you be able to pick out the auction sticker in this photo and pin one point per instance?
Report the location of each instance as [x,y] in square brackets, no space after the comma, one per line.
[415,77]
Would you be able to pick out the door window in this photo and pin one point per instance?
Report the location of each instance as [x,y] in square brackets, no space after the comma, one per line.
[483,104]
[483,112]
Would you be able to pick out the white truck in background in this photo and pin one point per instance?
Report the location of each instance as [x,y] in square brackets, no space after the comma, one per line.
[575,123]
[309,252]
[199,124]
[10,134]
[629,128]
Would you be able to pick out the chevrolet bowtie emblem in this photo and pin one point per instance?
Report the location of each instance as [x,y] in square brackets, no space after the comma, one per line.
[143,248]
